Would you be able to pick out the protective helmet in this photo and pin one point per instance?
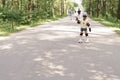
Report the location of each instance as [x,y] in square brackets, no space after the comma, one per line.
[84,14]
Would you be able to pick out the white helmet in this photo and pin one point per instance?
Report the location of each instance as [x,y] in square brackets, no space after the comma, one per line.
[84,14]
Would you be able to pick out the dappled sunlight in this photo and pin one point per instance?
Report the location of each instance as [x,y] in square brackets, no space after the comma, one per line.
[51,64]
[6,46]
[51,51]
[49,55]
[110,40]
[48,68]
[102,31]
[4,38]
[59,67]
[24,42]
[74,46]
[93,48]
[54,37]
[109,52]
[50,37]
[61,28]
[23,37]
[58,33]
[101,71]
[99,75]
[38,59]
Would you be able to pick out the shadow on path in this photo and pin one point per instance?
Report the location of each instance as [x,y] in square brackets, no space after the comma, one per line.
[51,52]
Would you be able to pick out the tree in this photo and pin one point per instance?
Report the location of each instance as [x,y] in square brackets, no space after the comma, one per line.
[102,8]
[27,11]
[3,3]
[118,12]
[98,8]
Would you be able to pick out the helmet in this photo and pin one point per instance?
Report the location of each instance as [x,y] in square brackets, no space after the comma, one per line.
[84,14]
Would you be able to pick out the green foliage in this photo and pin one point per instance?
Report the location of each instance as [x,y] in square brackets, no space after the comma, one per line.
[9,14]
[108,22]
[75,4]
[103,11]
[111,22]
[104,8]
[14,13]
[117,31]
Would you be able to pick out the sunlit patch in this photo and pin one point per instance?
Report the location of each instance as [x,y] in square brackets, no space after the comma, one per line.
[101,31]
[104,77]
[38,73]
[74,46]
[3,38]
[99,75]
[24,42]
[59,72]
[60,32]
[93,71]
[48,68]
[53,66]
[108,52]
[38,59]
[93,48]
[23,37]
[48,55]
[7,46]
[72,75]
[92,65]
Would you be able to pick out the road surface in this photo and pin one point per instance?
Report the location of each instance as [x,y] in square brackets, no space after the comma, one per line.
[51,52]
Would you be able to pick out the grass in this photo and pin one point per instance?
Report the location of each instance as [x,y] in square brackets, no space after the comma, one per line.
[41,21]
[117,31]
[111,22]
[6,29]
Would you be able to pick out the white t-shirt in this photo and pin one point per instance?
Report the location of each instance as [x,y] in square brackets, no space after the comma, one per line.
[83,23]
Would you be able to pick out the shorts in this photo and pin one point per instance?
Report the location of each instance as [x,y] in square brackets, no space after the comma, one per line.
[83,29]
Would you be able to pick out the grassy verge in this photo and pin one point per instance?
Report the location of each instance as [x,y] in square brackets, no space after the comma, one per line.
[109,22]
[6,29]
[117,31]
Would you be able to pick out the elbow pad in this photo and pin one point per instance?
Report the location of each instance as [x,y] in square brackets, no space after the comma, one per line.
[90,29]
[88,24]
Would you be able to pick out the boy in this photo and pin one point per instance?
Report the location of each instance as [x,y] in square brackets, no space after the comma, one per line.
[70,13]
[84,25]
[79,12]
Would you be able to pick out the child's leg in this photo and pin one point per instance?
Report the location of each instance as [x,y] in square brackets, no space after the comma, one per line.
[86,34]
[81,34]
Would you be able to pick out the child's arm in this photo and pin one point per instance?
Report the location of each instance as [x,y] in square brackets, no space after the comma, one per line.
[88,24]
[78,21]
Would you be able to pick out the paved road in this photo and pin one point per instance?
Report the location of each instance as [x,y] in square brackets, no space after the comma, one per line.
[51,52]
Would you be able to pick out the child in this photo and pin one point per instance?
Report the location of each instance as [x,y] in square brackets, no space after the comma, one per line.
[70,13]
[79,12]
[84,25]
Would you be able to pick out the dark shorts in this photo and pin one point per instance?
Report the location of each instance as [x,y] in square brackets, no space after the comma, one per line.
[83,29]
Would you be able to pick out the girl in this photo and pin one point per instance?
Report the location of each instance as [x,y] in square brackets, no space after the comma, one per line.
[84,25]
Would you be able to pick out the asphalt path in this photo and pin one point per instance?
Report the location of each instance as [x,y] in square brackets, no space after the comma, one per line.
[51,52]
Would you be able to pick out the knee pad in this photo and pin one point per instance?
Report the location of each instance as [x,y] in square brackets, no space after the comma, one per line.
[86,34]
[81,34]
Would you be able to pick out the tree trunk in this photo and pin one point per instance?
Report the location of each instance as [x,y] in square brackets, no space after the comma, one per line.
[98,8]
[90,7]
[105,8]
[3,3]
[62,7]
[118,12]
